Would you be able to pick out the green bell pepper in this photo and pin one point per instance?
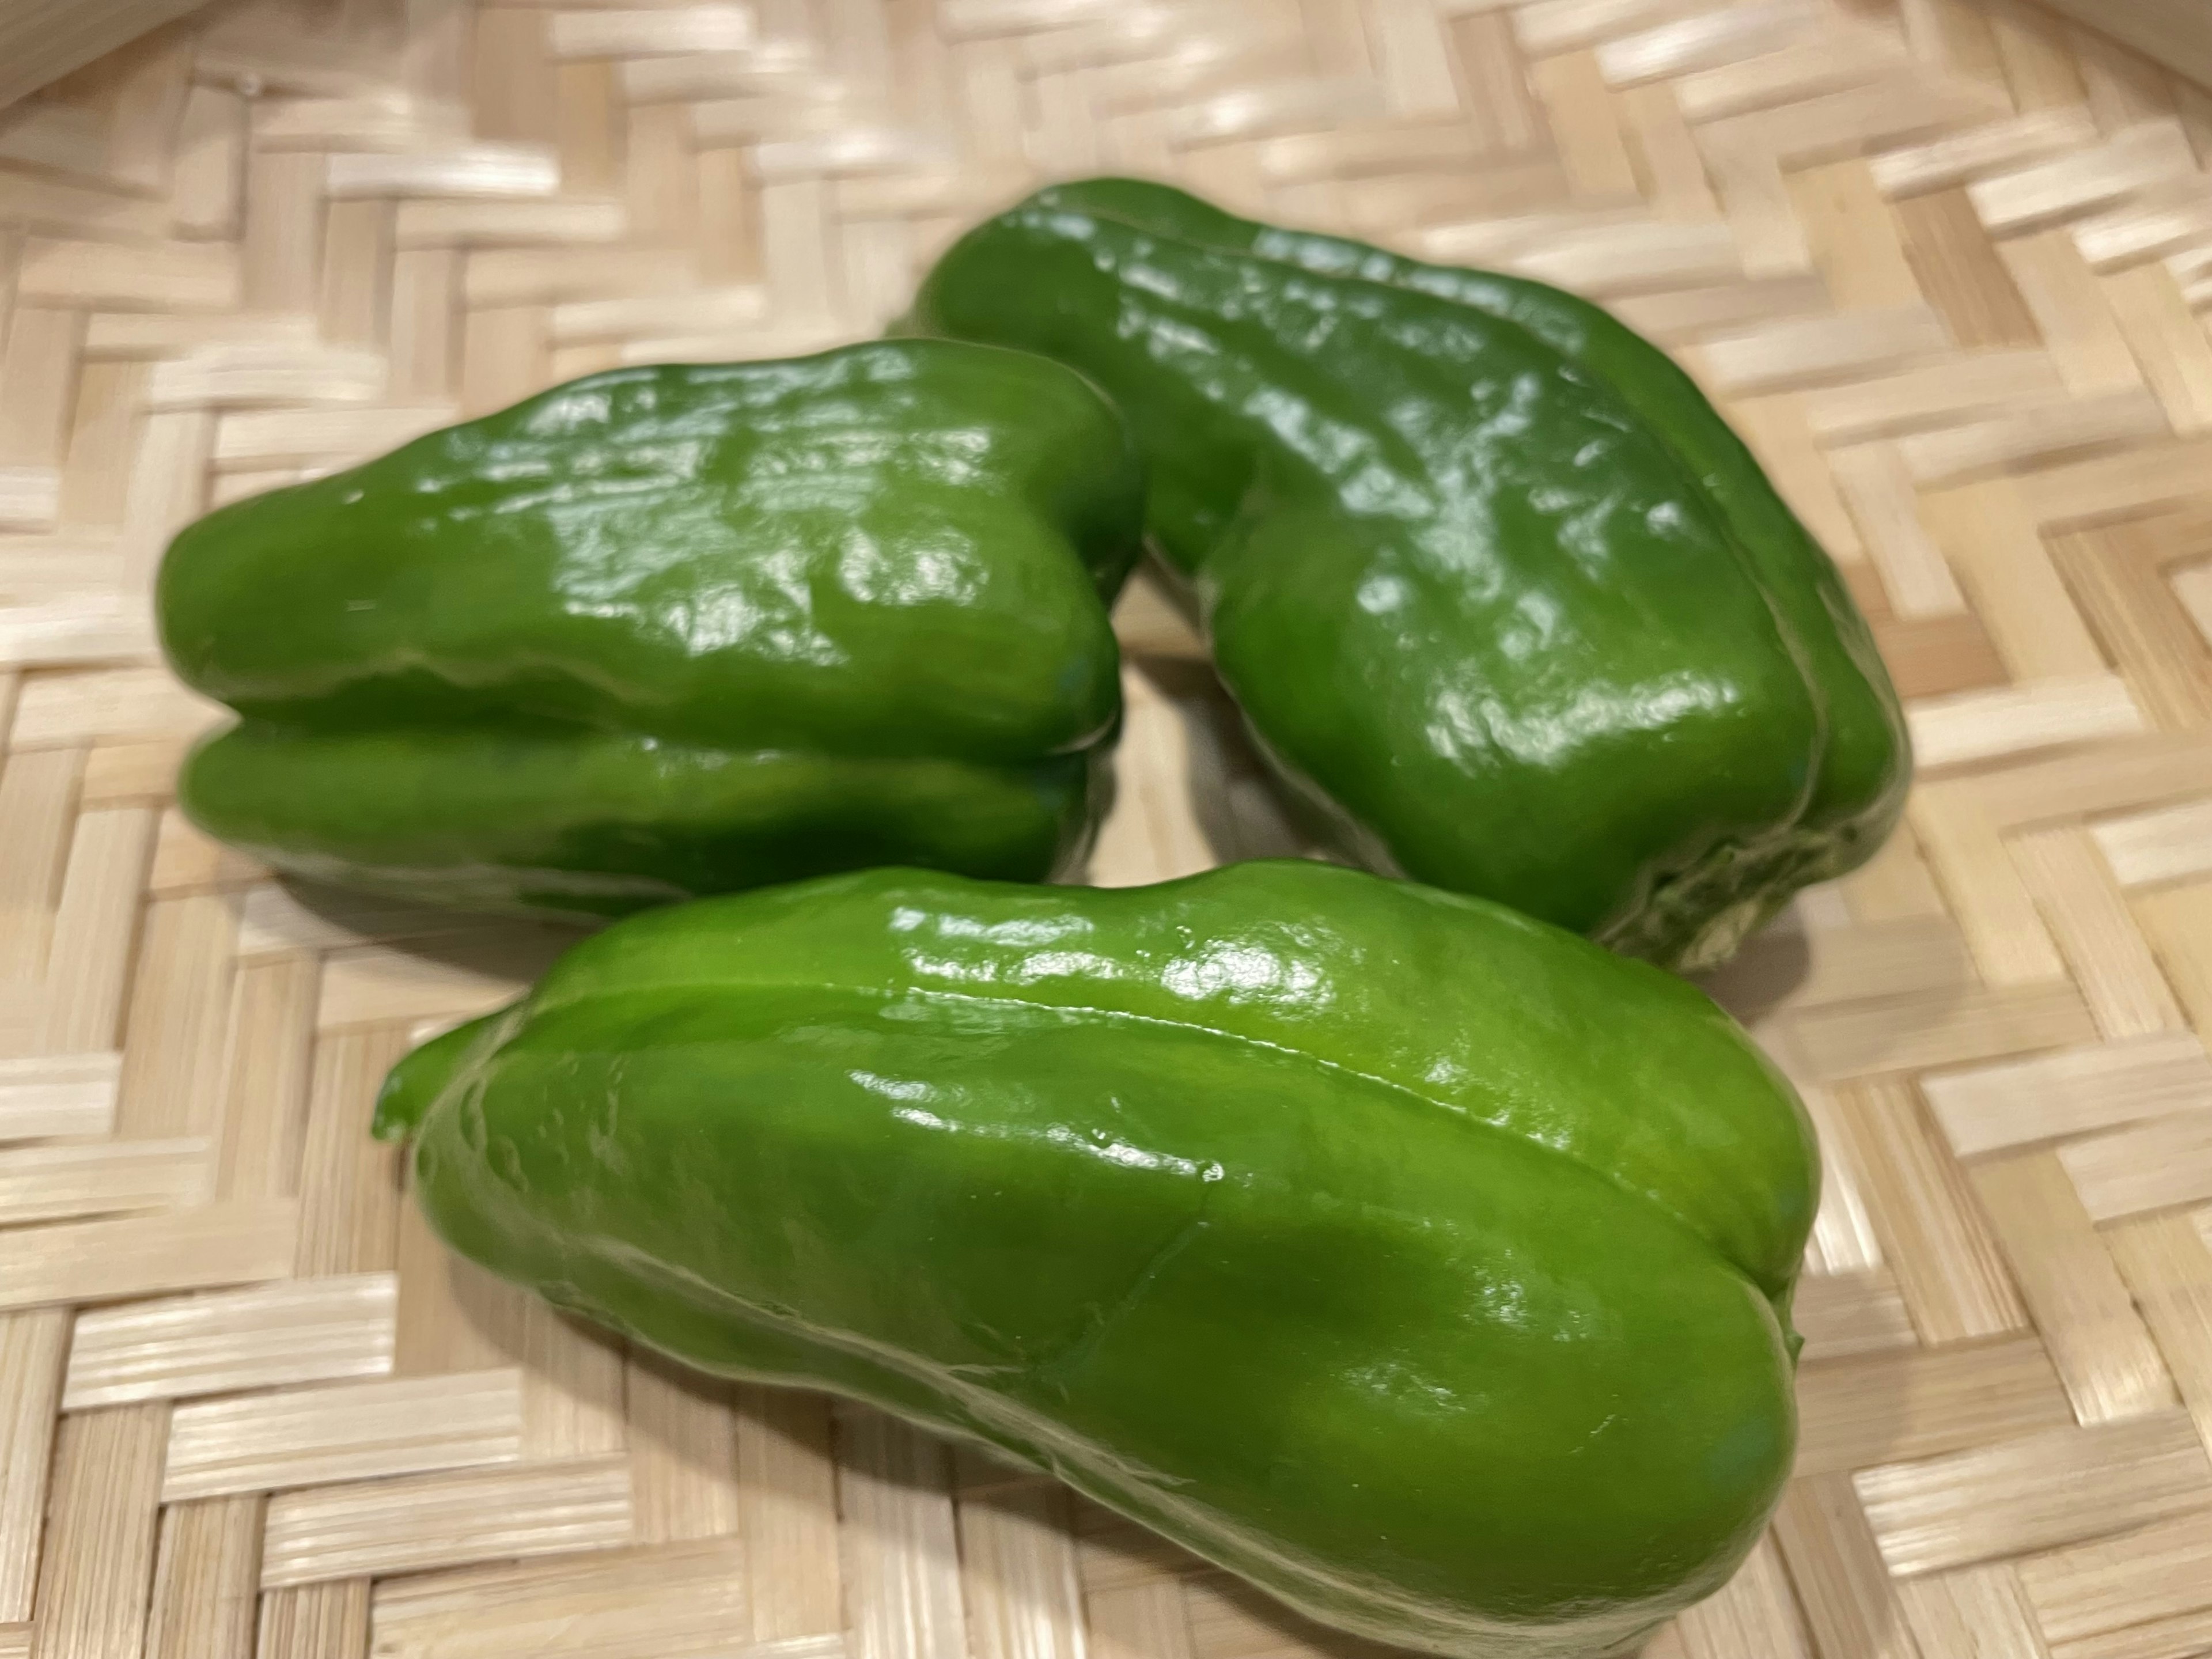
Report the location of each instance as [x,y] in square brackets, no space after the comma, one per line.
[1426,1264]
[676,630]
[1503,599]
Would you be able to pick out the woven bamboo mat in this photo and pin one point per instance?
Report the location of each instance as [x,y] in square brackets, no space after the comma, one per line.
[1938,257]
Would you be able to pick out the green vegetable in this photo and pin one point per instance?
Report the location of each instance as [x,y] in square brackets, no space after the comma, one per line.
[669,631]
[1503,599]
[1424,1263]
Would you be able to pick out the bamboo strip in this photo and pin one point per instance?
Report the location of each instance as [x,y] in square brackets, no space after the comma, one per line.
[31,1349]
[1978,726]
[1975,1613]
[1843,1314]
[296,1331]
[1020,1581]
[901,1557]
[1869,1410]
[2128,995]
[56,1183]
[96,1570]
[2153,1166]
[683,1454]
[2066,1486]
[2019,1103]
[2082,1311]
[2155,1577]
[186,1250]
[206,1578]
[1824,1541]
[787,1509]
[1752,1617]
[376,1528]
[2167,1263]
[56,1096]
[674,1602]
[2172,844]
[316,1436]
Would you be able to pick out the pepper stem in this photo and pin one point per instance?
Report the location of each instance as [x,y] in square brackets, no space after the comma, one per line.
[415,1084]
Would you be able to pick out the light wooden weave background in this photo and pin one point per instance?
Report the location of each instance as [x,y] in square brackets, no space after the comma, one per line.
[1938,257]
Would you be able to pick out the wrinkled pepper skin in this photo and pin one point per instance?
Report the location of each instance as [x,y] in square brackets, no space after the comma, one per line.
[676,630]
[1505,600]
[1426,1264]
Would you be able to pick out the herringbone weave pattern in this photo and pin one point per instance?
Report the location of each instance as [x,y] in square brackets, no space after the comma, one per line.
[1937,258]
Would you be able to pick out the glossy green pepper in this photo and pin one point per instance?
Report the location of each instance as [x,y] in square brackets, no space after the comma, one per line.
[1505,600]
[1426,1264]
[676,630]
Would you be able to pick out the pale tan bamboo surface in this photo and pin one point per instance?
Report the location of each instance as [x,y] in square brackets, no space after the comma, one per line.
[2177,33]
[43,40]
[1940,260]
